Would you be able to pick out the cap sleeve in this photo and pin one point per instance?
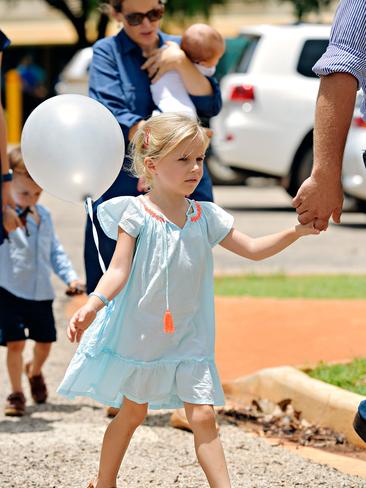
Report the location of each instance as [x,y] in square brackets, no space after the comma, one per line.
[124,212]
[219,222]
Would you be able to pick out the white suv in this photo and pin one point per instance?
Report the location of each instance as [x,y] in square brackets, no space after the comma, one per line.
[266,124]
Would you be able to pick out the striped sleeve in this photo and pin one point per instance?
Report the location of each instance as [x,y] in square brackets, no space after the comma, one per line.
[346,52]
[347,45]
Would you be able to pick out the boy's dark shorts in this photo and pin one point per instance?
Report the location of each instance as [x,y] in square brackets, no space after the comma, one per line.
[22,319]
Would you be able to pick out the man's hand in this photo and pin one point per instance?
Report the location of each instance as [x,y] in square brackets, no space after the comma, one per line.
[318,199]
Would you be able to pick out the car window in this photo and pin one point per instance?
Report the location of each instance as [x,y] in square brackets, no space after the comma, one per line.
[247,54]
[234,48]
[312,50]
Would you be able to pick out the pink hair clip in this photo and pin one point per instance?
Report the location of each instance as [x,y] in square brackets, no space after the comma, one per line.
[147,138]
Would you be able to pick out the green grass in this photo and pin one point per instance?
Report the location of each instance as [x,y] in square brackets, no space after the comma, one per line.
[350,376]
[283,286]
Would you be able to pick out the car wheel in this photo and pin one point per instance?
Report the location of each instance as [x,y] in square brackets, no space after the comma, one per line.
[301,171]
[361,205]
[222,175]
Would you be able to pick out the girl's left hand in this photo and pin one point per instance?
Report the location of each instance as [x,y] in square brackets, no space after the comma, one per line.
[164,59]
[306,230]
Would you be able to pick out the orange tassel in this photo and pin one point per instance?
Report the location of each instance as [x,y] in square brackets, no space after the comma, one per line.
[168,323]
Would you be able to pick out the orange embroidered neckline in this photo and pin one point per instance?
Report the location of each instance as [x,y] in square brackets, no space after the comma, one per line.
[160,218]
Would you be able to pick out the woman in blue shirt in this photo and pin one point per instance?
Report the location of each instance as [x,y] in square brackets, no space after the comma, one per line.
[122,69]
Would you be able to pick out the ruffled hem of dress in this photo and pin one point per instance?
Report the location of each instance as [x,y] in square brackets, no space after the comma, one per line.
[165,384]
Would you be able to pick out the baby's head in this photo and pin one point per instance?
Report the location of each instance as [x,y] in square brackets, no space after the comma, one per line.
[203,45]
[170,149]
[24,189]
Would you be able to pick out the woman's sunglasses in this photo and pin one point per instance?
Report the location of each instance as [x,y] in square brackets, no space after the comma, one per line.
[137,18]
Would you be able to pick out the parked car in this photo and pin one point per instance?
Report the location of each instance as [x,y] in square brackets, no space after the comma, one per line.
[266,125]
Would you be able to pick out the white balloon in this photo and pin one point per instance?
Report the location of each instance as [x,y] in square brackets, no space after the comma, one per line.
[73,147]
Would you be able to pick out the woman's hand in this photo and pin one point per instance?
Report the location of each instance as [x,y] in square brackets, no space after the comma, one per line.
[166,58]
[306,230]
[79,322]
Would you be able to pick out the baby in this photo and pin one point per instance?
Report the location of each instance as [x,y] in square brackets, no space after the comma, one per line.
[204,46]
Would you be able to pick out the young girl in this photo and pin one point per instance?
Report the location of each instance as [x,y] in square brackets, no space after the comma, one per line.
[149,339]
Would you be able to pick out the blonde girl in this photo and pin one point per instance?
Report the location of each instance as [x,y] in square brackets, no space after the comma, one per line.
[148,328]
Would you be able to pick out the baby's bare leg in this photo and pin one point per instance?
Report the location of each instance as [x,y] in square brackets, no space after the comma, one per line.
[208,446]
[116,440]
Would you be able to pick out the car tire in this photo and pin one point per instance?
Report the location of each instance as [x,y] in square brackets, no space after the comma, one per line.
[301,171]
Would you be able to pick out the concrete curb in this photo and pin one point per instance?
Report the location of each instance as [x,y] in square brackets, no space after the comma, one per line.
[320,403]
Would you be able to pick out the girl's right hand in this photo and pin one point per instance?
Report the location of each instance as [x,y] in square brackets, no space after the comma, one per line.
[79,322]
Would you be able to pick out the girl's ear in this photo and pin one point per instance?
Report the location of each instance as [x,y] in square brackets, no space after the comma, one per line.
[150,165]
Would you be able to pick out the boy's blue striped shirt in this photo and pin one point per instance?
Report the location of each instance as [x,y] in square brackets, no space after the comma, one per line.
[346,52]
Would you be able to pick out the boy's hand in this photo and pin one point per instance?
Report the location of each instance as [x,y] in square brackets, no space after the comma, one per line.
[79,322]
[306,230]
[76,287]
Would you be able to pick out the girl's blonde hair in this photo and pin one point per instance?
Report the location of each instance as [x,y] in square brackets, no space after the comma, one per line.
[159,136]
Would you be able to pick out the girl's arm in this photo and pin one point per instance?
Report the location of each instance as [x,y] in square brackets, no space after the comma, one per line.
[264,247]
[110,284]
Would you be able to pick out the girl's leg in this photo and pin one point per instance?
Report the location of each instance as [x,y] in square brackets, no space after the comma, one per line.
[208,446]
[116,440]
[15,364]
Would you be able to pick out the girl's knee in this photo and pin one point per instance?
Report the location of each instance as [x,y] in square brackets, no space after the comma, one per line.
[133,413]
[16,346]
[201,416]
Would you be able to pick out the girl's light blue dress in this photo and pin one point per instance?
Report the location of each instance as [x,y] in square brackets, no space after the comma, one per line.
[125,351]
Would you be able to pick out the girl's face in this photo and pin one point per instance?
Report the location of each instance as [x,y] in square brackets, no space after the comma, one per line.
[145,32]
[25,191]
[181,170]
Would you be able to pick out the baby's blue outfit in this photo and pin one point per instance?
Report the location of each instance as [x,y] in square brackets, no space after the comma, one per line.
[125,351]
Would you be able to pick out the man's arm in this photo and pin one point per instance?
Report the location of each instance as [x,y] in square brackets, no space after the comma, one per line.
[321,196]
[342,68]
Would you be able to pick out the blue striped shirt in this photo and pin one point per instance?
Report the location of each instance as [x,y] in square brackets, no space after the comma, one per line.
[346,52]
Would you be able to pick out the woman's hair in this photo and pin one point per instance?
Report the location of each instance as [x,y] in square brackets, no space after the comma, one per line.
[159,136]
[16,161]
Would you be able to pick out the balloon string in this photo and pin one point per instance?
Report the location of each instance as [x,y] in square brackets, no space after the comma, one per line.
[89,205]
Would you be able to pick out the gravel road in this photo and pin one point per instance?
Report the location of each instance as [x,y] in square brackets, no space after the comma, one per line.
[57,444]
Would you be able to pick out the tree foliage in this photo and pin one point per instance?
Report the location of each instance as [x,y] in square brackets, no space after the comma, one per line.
[78,13]
[190,8]
[302,8]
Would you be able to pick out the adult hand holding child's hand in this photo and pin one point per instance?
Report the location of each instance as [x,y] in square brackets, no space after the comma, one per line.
[79,322]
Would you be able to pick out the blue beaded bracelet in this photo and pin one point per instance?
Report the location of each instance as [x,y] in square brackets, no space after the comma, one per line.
[100,296]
